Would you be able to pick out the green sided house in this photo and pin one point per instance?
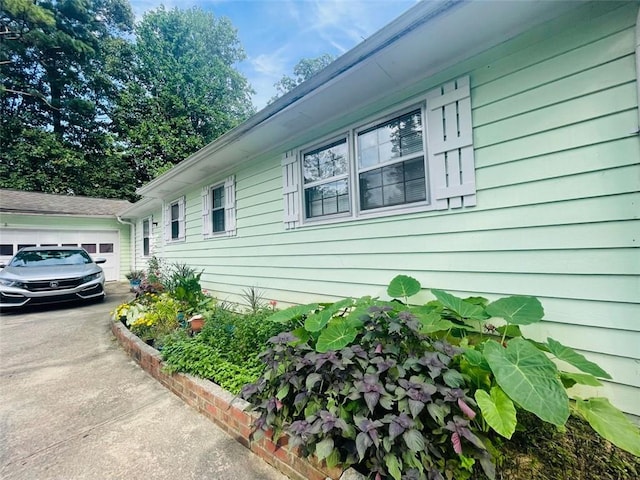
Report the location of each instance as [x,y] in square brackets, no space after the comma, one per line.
[484,148]
[41,219]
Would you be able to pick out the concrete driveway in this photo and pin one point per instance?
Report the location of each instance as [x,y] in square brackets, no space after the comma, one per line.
[74,406]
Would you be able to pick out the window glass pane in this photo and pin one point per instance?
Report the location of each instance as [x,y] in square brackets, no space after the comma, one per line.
[393,174]
[175,230]
[396,138]
[415,191]
[89,247]
[175,211]
[6,249]
[325,162]
[69,244]
[218,197]
[393,185]
[25,245]
[145,228]
[327,199]
[371,179]
[106,248]
[48,244]
[393,194]
[145,247]
[218,220]
[370,197]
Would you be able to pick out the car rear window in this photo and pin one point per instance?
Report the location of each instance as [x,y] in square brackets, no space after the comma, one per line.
[42,258]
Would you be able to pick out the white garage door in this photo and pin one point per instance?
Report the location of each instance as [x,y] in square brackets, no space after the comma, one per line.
[100,244]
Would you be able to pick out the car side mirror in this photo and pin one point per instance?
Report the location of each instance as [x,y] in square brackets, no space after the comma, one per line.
[100,260]
[2,265]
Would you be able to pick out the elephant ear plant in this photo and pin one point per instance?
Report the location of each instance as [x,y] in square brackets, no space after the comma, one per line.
[419,392]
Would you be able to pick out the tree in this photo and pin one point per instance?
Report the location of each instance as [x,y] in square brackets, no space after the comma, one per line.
[183,90]
[303,70]
[57,94]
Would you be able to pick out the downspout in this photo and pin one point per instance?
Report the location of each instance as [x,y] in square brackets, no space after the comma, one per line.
[638,66]
[132,241]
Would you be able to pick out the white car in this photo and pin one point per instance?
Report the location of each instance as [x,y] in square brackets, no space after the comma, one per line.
[37,275]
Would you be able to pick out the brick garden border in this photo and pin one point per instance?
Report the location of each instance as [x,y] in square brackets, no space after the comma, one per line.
[226,411]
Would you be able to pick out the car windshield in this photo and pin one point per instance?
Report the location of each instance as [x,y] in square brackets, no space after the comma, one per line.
[45,258]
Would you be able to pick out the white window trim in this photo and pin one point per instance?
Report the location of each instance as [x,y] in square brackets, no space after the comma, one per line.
[444,191]
[181,221]
[150,220]
[229,185]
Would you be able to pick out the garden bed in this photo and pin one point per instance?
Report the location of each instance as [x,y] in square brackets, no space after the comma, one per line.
[449,390]
[224,409]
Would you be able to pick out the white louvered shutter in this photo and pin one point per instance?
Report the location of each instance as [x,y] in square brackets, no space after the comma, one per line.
[167,222]
[206,211]
[450,145]
[290,190]
[182,224]
[230,205]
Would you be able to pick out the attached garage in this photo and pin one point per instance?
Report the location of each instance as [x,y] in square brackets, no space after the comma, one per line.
[38,219]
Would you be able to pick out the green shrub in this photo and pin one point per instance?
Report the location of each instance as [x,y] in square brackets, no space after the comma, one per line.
[227,349]
[420,392]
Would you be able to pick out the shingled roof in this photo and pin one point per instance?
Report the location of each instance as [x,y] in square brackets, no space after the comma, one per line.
[16,201]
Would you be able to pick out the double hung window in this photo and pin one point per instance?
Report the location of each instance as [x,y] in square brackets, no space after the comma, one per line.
[219,209]
[174,220]
[391,169]
[413,159]
[146,237]
[326,180]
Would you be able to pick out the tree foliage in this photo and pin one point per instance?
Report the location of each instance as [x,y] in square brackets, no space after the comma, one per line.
[91,106]
[57,94]
[183,90]
[303,70]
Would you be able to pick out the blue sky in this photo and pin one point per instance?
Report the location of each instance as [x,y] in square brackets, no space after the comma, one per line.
[276,34]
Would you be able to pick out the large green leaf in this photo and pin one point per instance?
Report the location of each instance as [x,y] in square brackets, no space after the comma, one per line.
[324,448]
[338,334]
[611,423]
[317,321]
[498,411]
[581,378]
[403,286]
[393,466]
[519,310]
[432,321]
[576,359]
[459,306]
[288,314]
[529,378]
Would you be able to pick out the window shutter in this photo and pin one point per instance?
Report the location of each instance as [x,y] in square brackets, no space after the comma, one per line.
[167,222]
[450,145]
[290,190]
[181,219]
[230,205]
[206,211]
